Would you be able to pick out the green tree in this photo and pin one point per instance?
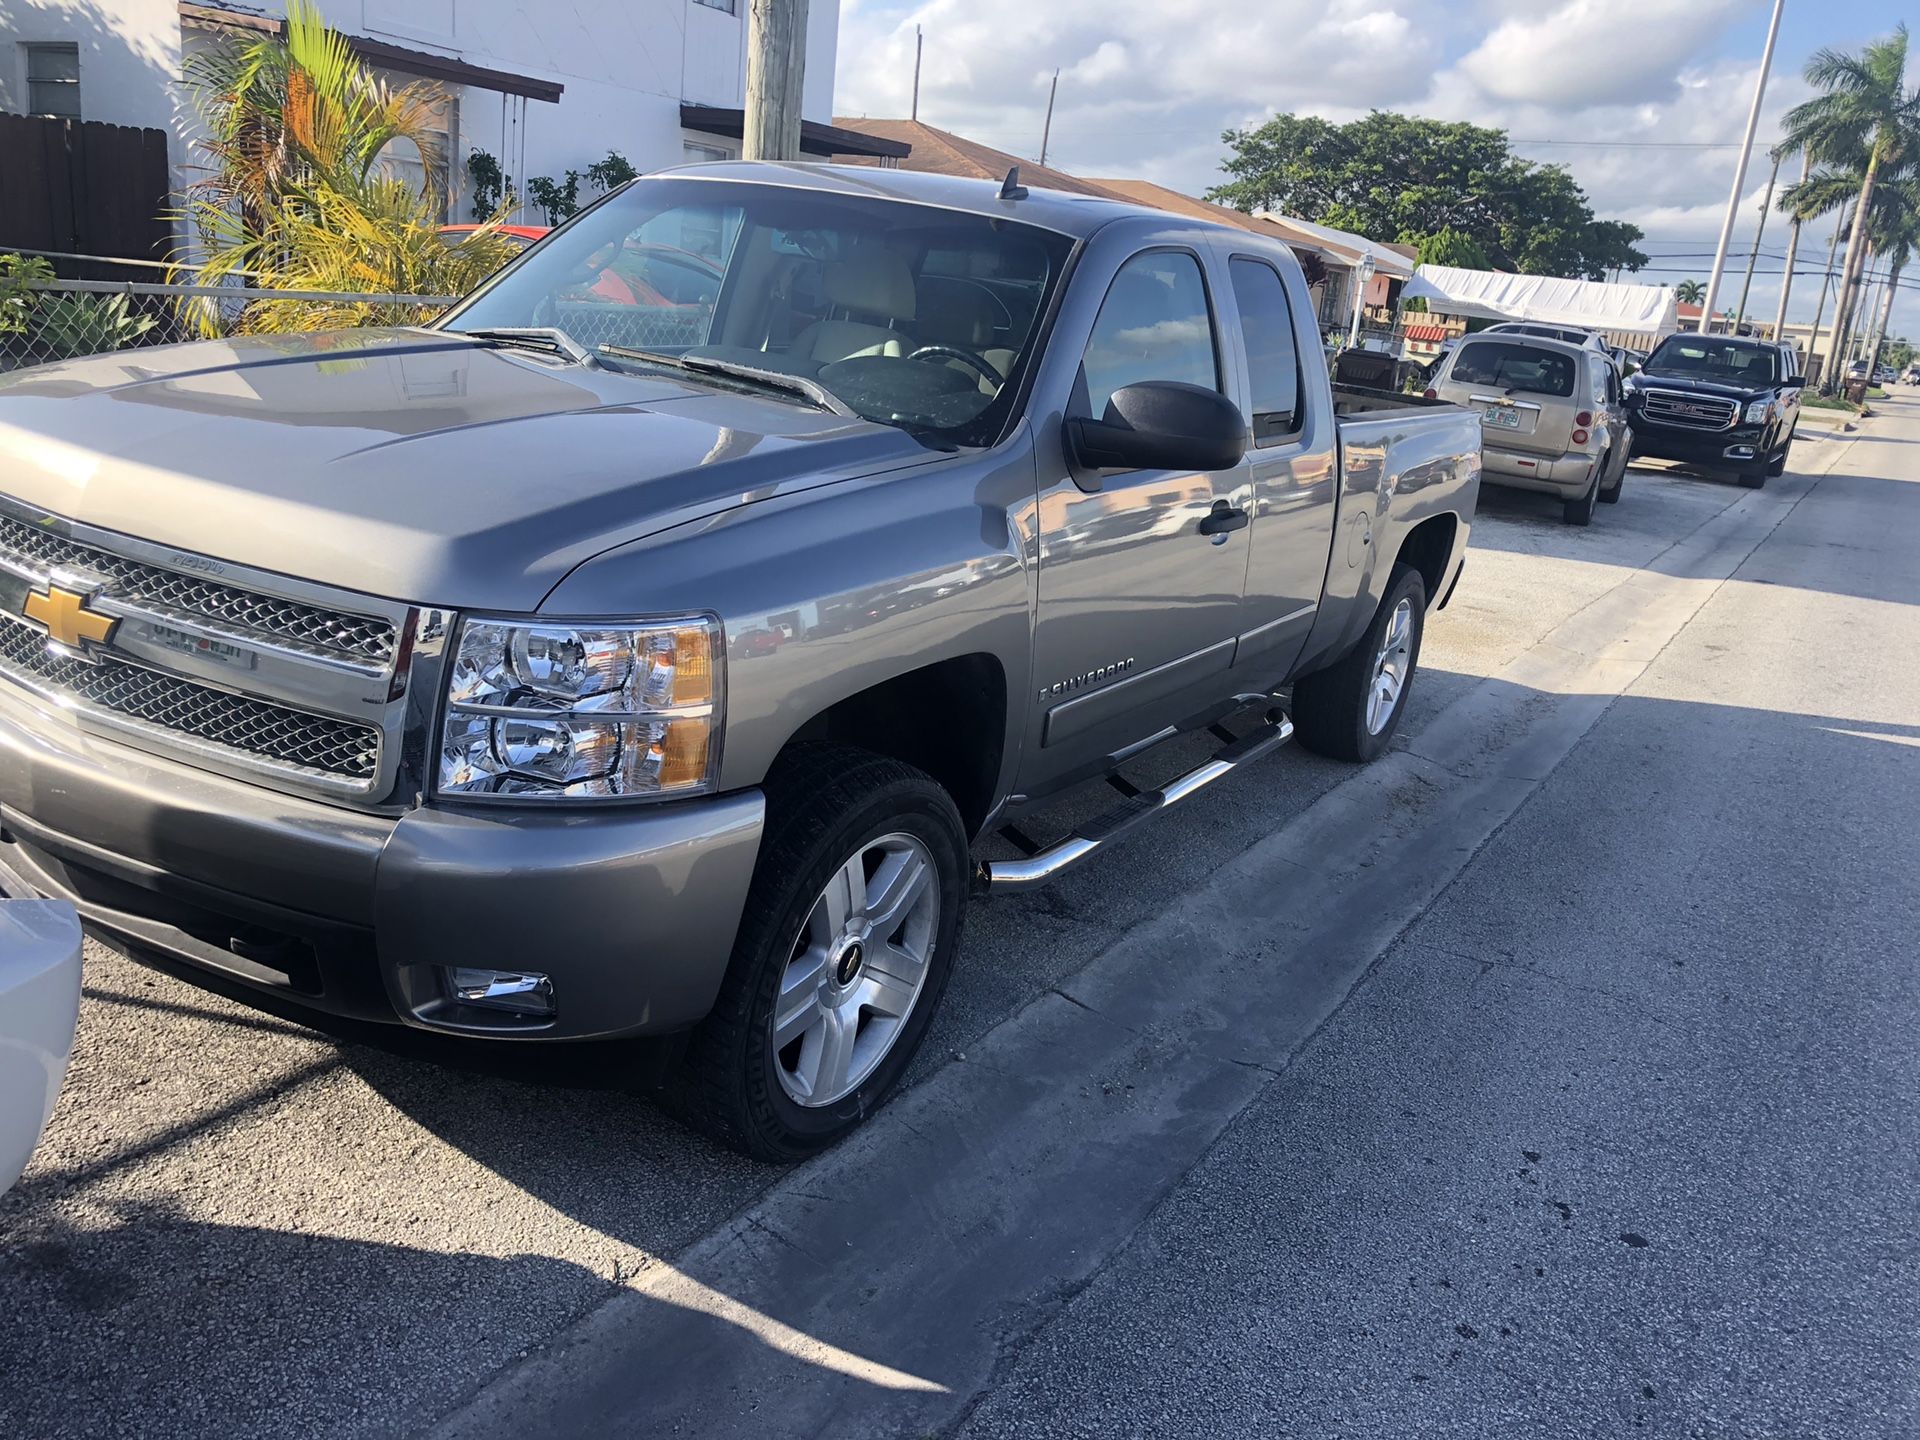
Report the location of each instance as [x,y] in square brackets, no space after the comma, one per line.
[1390,174]
[1865,118]
[1690,292]
[296,195]
[1446,247]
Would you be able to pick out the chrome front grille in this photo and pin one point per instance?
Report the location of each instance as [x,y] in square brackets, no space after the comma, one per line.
[253,729]
[1689,411]
[356,637]
[284,682]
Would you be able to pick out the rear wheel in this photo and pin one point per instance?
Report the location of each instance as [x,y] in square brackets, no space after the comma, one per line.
[1350,710]
[1611,495]
[843,953]
[1580,512]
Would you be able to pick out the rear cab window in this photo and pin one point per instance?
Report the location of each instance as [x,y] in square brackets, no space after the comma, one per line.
[1510,366]
[1273,360]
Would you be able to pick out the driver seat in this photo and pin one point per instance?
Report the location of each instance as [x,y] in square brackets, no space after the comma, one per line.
[877,286]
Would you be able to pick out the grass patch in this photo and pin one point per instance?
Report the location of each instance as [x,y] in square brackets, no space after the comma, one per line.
[1876,393]
[1829,402]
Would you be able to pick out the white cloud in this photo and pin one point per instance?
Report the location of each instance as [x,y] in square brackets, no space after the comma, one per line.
[1595,52]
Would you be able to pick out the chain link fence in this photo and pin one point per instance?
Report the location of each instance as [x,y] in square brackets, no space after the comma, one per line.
[64,319]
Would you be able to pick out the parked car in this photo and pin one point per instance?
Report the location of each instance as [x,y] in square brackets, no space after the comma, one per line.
[1571,334]
[1552,411]
[403,688]
[1718,402]
[39,1007]
[1912,377]
[521,235]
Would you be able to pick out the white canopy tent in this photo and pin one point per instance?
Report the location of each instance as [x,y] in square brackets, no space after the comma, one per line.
[1624,313]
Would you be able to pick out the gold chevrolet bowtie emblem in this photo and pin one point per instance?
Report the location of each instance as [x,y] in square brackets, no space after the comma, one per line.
[68,621]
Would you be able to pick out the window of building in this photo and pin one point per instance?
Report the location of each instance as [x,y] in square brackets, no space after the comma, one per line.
[1153,325]
[700,152]
[1273,360]
[730,6]
[53,81]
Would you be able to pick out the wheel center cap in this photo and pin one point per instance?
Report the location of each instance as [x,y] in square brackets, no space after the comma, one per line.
[849,966]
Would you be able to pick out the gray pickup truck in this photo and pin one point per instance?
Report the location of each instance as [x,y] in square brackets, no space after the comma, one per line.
[643,648]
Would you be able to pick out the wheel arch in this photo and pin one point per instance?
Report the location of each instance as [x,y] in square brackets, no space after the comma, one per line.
[948,718]
[1428,547]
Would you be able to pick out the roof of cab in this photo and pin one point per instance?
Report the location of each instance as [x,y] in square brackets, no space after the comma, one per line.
[1075,215]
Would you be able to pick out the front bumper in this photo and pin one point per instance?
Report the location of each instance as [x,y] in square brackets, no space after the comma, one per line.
[631,910]
[1740,447]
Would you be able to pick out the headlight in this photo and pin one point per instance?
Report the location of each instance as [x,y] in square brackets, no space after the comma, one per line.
[1759,412]
[582,710]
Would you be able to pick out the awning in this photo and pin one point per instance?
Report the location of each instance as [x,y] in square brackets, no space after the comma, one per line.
[815,138]
[1427,334]
[444,68]
[1649,310]
[1340,246]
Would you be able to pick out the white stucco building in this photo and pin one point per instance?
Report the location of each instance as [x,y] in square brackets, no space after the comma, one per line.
[543,85]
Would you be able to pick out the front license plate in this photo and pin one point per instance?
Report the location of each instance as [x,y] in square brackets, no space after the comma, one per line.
[216,650]
[1504,418]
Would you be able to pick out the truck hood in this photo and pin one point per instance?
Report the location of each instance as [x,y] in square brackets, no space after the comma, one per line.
[404,463]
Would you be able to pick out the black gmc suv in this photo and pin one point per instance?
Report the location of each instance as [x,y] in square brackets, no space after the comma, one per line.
[1717,402]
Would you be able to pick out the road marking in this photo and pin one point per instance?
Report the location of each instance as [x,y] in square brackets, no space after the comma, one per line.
[975,1207]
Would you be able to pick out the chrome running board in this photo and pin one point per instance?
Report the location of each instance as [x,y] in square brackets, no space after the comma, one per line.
[1049,863]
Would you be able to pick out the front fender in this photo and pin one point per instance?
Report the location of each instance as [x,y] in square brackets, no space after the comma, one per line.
[832,591]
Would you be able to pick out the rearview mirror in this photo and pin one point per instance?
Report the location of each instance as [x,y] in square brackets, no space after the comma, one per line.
[1160,425]
[1795,382]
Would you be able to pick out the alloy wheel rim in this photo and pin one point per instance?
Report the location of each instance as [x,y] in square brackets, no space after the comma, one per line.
[856,970]
[1390,666]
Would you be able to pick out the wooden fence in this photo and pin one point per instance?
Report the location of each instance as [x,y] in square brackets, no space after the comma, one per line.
[83,187]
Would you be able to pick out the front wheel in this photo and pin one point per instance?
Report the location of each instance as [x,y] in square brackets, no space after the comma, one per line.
[843,952]
[1779,465]
[1350,710]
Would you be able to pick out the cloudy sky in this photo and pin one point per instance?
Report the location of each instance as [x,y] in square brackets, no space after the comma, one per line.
[1643,100]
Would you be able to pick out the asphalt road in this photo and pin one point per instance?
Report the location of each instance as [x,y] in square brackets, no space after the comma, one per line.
[1604,974]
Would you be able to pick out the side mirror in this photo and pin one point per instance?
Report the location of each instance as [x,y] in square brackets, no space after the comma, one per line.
[1160,425]
[1795,382]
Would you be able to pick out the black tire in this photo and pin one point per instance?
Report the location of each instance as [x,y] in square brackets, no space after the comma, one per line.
[1754,478]
[824,802]
[1611,496]
[1580,512]
[1779,464]
[1330,706]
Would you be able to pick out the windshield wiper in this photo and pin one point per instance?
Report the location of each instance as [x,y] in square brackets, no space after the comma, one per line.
[544,338]
[772,379]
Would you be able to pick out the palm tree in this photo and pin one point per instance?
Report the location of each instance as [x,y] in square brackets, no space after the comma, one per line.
[298,195]
[1866,117]
[1894,232]
[1690,292]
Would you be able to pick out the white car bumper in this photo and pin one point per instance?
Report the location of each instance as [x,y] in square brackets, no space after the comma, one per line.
[39,1007]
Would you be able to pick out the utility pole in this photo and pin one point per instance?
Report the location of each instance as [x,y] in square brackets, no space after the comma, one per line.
[1740,173]
[1046,131]
[1766,203]
[1793,250]
[918,38]
[776,76]
[1826,283]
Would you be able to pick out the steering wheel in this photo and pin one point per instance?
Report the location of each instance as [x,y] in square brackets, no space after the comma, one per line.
[978,363]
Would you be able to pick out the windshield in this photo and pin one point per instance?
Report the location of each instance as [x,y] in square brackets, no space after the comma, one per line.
[1715,360]
[1511,366]
[910,315]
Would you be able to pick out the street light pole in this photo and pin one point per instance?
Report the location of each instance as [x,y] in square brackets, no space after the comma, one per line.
[1766,203]
[1793,251]
[1826,284]
[776,76]
[1046,131]
[1740,173]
